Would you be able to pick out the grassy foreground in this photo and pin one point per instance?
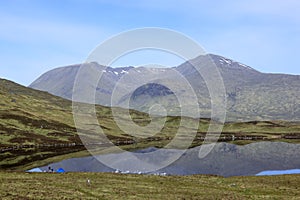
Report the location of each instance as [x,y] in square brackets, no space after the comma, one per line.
[17,185]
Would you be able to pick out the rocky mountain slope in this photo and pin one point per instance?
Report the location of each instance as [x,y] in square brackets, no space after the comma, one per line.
[251,95]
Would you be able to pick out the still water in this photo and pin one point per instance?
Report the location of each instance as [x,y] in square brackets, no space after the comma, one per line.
[225,160]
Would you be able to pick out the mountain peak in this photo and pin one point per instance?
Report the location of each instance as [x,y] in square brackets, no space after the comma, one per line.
[223,62]
[250,94]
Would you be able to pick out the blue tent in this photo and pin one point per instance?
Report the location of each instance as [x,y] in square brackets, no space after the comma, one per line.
[35,170]
[60,170]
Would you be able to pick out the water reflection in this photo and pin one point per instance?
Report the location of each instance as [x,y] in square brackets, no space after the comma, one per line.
[225,160]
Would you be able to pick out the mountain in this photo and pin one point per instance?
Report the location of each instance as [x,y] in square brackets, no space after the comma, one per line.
[251,95]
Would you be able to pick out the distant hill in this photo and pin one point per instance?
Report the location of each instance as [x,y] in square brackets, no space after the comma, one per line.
[251,95]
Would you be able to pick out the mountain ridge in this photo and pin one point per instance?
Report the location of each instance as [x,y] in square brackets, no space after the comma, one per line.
[250,94]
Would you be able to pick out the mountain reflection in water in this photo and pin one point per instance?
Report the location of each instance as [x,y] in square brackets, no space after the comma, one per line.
[225,160]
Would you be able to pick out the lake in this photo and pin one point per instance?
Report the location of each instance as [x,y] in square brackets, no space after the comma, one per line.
[225,160]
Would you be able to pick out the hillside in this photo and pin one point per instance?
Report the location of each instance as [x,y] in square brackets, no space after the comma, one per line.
[37,128]
[36,125]
[251,95]
[30,118]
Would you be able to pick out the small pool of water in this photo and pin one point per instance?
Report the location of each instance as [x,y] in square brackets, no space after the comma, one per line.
[278,172]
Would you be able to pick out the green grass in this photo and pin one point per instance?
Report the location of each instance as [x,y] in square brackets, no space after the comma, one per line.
[16,185]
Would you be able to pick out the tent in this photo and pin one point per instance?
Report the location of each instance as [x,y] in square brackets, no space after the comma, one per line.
[35,170]
[60,170]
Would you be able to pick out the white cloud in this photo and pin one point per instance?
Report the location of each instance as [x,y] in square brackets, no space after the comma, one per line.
[264,49]
[287,9]
[26,30]
[32,46]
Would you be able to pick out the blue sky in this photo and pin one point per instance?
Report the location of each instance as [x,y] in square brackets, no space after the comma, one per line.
[36,36]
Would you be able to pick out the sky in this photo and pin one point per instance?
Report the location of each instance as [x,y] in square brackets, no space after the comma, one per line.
[40,35]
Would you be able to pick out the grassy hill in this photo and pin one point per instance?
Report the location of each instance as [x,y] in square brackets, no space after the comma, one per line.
[30,117]
[37,128]
[116,186]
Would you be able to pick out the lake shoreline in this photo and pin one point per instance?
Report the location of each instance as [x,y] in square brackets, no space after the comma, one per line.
[225,160]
